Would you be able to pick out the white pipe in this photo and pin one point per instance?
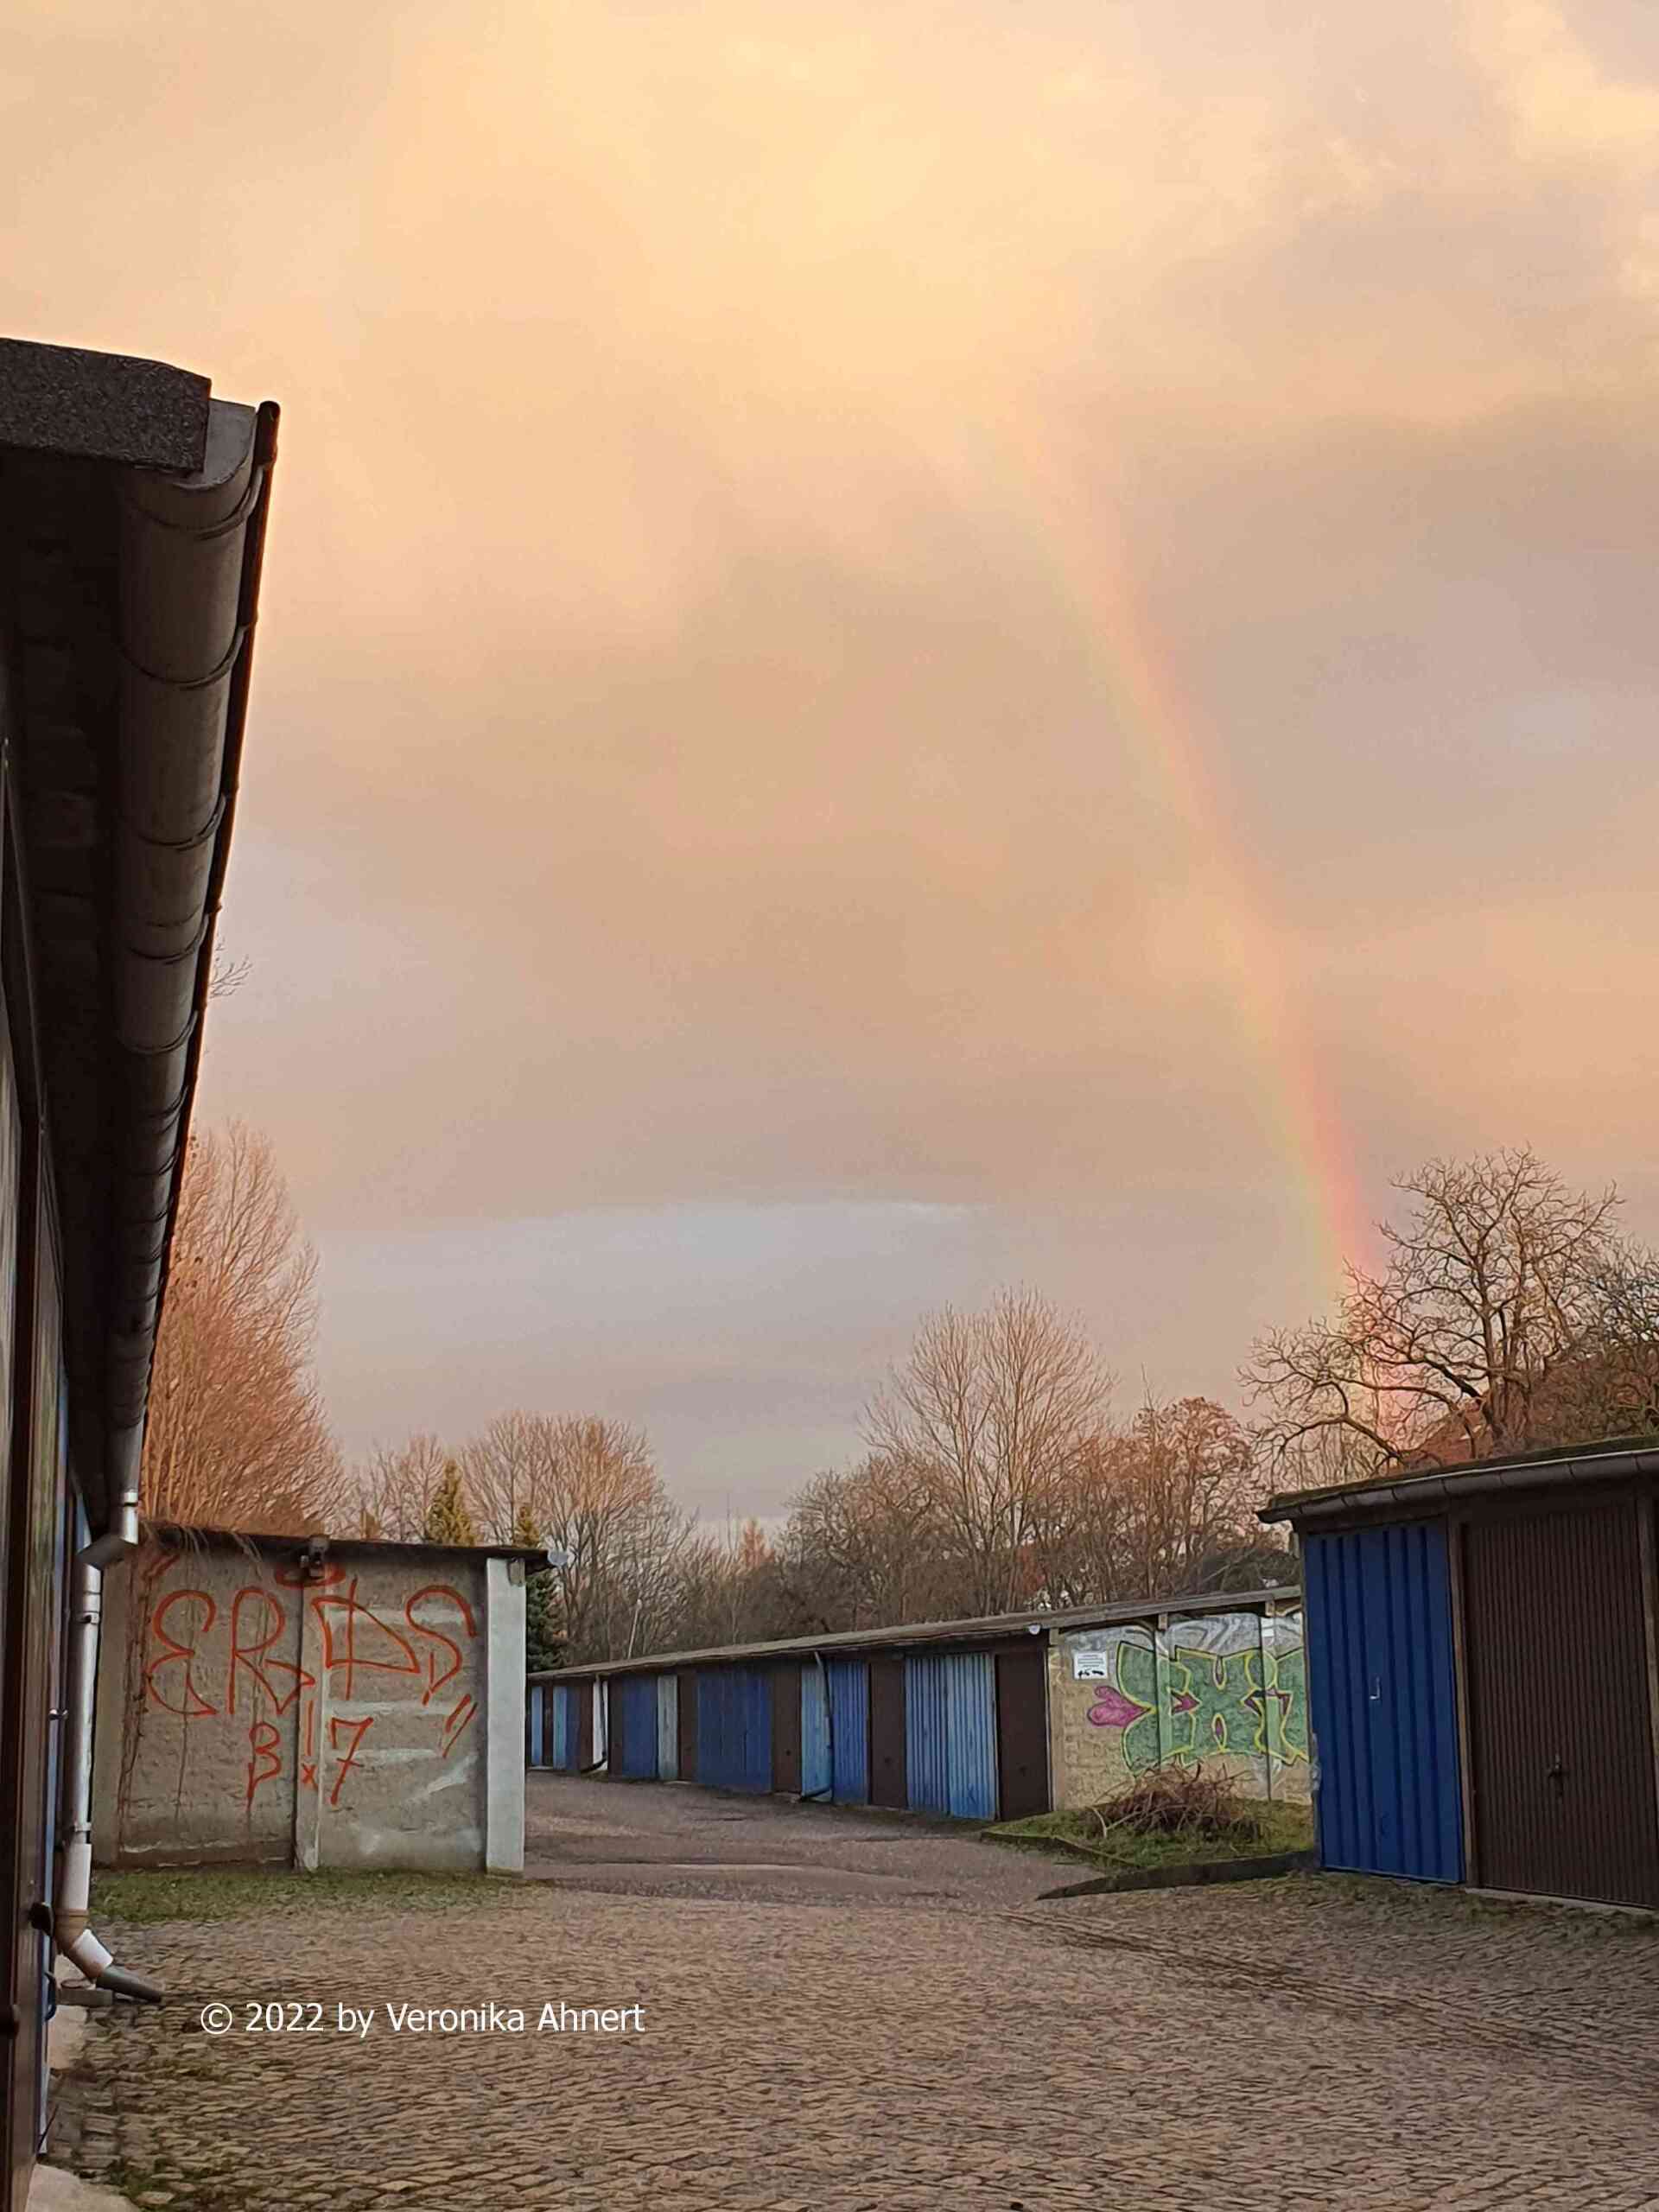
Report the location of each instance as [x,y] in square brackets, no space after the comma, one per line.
[70,1931]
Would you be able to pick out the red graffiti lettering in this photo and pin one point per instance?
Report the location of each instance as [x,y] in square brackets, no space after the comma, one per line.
[359,1730]
[434,1680]
[340,1642]
[309,1762]
[248,1654]
[193,1705]
[264,1743]
[458,1723]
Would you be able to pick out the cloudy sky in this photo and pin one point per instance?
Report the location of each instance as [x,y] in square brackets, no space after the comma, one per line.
[905,646]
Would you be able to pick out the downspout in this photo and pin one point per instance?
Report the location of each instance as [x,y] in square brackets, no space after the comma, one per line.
[70,1931]
[811,1796]
[192,549]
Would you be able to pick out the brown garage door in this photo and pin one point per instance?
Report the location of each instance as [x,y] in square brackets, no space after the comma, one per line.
[887,1780]
[1022,1729]
[786,1727]
[1562,1741]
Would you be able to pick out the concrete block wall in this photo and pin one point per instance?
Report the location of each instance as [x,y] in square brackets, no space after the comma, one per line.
[366,1710]
[1226,1689]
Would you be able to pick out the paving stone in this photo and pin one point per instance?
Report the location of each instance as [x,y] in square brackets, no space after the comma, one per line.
[843,2012]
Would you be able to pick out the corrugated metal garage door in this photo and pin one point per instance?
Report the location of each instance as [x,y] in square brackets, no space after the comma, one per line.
[564,1726]
[668,1728]
[633,1727]
[950,1733]
[1559,1705]
[970,1698]
[849,1733]
[1384,1697]
[836,1730]
[735,1728]
[927,1784]
[533,1707]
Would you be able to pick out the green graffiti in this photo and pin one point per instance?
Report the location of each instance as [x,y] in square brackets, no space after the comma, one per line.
[1215,1704]
[1288,1707]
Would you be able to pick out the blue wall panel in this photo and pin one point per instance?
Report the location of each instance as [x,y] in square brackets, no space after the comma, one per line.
[735,1728]
[970,1742]
[926,1732]
[634,1703]
[1382,1699]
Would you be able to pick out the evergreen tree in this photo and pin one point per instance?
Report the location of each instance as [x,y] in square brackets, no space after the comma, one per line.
[544,1646]
[447,1521]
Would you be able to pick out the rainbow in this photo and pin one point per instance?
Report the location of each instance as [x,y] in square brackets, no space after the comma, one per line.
[1085,550]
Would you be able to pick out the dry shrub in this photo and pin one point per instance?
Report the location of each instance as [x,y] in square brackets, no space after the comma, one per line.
[1179,1801]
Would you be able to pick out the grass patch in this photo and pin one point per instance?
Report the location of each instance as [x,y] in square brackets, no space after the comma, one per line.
[1175,1816]
[144,1897]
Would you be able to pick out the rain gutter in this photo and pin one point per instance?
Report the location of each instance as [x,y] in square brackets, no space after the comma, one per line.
[1415,1490]
[192,549]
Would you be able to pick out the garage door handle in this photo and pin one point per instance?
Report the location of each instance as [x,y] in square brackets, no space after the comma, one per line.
[1558,1776]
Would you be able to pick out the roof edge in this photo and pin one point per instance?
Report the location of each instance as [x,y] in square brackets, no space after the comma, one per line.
[78,405]
[190,1536]
[1440,1485]
[988,1629]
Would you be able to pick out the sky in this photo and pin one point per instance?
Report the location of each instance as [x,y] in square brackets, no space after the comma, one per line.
[904,648]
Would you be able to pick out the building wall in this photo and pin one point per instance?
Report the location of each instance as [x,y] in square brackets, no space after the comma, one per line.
[369,1716]
[1227,1688]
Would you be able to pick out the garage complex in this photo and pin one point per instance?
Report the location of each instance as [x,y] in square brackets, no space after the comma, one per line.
[1483,1647]
[976,1719]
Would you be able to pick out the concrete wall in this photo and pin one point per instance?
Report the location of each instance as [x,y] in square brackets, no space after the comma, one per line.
[369,1713]
[1230,1689]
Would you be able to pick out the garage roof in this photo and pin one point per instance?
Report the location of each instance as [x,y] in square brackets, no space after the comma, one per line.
[132,522]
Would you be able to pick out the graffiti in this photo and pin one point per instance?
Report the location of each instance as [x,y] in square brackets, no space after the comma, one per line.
[434,1681]
[1228,1686]
[265,1742]
[353,1732]
[456,1726]
[191,1704]
[248,1654]
[239,1656]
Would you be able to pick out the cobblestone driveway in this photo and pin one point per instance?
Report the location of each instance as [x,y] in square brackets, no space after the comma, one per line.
[844,2012]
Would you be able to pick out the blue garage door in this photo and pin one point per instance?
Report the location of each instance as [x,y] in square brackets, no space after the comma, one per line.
[533,1708]
[1382,1698]
[633,1720]
[836,1730]
[927,1784]
[668,1728]
[849,1715]
[564,1726]
[950,1733]
[734,1728]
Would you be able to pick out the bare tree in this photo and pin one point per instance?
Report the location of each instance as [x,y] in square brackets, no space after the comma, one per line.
[994,1410]
[396,1489]
[868,1548]
[1510,1313]
[592,1490]
[237,1436]
[1189,1472]
[226,975]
